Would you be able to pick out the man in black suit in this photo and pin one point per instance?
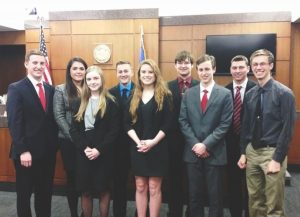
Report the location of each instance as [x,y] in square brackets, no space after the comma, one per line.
[122,92]
[34,137]
[237,191]
[183,65]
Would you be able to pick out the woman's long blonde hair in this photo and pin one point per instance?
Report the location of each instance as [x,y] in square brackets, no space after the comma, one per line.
[86,94]
[160,89]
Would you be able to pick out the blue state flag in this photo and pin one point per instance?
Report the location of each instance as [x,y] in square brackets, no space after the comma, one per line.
[142,47]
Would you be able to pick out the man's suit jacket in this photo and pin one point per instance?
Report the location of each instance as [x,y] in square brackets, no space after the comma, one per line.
[176,97]
[232,139]
[123,139]
[207,127]
[31,128]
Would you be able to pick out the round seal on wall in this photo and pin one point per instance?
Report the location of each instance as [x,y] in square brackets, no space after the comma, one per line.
[102,53]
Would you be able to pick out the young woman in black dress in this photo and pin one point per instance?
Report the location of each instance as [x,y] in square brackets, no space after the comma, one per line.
[94,130]
[147,123]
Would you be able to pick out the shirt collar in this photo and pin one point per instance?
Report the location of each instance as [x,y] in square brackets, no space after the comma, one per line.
[33,80]
[208,88]
[128,86]
[187,79]
[243,85]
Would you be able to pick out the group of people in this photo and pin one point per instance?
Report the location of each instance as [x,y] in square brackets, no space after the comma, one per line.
[183,129]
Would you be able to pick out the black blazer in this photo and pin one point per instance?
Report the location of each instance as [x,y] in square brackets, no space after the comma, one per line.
[175,137]
[232,139]
[31,128]
[106,130]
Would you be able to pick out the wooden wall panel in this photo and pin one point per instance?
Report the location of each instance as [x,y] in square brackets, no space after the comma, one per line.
[283,71]
[7,171]
[102,26]
[201,31]
[61,47]
[168,49]
[33,35]
[122,47]
[198,49]
[110,78]
[149,25]
[283,48]
[12,38]
[294,150]
[175,33]
[60,27]
[282,29]
[58,76]
[295,65]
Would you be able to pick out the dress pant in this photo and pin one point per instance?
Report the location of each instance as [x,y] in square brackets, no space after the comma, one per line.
[68,153]
[200,175]
[266,191]
[121,174]
[236,179]
[176,182]
[37,179]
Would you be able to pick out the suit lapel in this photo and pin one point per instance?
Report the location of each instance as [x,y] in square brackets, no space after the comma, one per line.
[212,97]
[34,94]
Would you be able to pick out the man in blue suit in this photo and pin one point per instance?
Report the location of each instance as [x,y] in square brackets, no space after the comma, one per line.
[205,117]
[34,137]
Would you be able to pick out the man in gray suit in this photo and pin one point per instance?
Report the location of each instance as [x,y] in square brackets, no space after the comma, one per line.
[205,117]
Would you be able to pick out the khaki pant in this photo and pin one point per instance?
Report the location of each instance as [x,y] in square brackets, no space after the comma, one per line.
[266,192]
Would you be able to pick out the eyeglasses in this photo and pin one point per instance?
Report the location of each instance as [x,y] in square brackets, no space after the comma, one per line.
[262,64]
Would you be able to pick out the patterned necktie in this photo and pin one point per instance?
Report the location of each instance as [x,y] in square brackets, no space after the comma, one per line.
[42,96]
[204,100]
[124,94]
[237,106]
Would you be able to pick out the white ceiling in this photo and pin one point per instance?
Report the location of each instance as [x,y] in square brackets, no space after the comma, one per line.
[14,16]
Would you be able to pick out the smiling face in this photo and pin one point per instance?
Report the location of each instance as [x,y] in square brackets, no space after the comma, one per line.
[124,74]
[147,76]
[35,66]
[184,68]
[77,72]
[261,68]
[239,71]
[205,72]
[93,81]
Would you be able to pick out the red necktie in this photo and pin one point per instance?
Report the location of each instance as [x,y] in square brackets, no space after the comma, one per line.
[204,100]
[42,96]
[237,106]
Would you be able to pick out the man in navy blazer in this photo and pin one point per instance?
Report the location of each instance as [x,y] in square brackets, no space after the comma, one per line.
[34,137]
[237,191]
[205,117]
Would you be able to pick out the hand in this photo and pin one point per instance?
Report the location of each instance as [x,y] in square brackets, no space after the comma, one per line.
[204,155]
[242,163]
[146,145]
[273,167]
[91,153]
[199,149]
[26,159]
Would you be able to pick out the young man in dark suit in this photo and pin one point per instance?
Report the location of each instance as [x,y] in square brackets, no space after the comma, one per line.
[183,65]
[122,92]
[205,117]
[34,137]
[237,191]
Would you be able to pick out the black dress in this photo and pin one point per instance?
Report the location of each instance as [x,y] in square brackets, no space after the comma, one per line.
[149,123]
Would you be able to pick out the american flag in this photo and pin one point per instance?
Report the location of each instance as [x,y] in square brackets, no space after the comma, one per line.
[43,49]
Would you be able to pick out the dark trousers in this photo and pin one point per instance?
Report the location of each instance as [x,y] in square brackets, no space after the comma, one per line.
[175,183]
[237,191]
[37,179]
[202,179]
[120,184]
[68,152]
